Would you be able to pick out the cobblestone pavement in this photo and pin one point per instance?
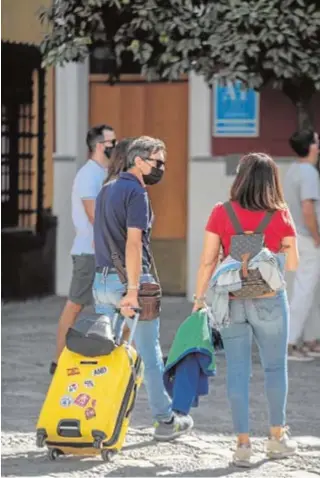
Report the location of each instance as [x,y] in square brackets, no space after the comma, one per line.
[28,336]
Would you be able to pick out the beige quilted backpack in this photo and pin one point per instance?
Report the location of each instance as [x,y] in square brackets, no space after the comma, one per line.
[244,246]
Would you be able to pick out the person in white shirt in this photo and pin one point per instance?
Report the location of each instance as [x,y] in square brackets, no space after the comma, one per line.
[302,193]
[101,141]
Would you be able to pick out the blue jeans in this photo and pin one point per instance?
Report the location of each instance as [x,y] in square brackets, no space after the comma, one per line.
[107,292]
[267,321]
[186,384]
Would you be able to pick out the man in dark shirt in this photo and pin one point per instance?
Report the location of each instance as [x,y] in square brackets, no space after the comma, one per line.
[125,215]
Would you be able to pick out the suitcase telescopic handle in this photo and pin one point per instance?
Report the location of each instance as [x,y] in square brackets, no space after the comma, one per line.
[135,320]
[136,310]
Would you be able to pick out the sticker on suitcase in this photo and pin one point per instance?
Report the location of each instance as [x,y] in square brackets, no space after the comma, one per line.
[73,387]
[99,371]
[82,400]
[73,371]
[66,401]
[90,413]
[89,383]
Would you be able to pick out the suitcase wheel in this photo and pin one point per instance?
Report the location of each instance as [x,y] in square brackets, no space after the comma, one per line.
[40,441]
[97,443]
[107,455]
[41,437]
[54,453]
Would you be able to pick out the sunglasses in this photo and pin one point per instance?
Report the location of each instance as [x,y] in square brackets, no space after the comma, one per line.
[159,162]
[112,141]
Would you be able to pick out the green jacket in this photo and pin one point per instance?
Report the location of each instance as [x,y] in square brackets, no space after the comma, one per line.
[193,335]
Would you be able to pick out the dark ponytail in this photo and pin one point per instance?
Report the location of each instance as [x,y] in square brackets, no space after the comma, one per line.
[118,160]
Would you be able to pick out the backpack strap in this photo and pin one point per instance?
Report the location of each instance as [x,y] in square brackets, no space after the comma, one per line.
[264,223]
[233,217]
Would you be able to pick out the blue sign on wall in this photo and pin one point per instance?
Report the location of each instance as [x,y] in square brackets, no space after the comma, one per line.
[235,111]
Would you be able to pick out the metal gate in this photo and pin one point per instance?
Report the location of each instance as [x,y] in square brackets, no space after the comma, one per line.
[22,136]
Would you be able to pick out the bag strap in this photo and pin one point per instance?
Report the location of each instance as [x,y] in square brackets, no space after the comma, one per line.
[118,262]
[114,251]
[236,224]
[264,223]
[153,266]
[233,217]
[152,261]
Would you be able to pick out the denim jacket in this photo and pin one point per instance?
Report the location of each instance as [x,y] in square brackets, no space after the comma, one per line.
[226,279]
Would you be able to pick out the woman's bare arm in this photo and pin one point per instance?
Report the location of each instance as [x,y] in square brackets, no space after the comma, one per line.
[208,262]
[290,248]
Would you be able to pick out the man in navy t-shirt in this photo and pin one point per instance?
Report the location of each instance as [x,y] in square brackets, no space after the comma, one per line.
[127,207]
[125,219]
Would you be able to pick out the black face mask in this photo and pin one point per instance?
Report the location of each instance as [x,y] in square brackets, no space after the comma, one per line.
[153,177]
[108,151]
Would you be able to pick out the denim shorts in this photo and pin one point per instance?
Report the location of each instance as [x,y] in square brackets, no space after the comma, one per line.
[108,291]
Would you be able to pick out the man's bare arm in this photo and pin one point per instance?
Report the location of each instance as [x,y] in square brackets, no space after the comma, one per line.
[89,207]
[133,268]
[133,258]
[310,219]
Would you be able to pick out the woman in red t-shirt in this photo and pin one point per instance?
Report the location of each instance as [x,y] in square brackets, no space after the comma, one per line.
[255,191]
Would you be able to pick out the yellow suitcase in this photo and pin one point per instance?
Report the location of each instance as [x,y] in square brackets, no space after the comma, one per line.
[89,402]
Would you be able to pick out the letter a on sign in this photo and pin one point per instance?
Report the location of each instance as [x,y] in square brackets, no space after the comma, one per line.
[235,111]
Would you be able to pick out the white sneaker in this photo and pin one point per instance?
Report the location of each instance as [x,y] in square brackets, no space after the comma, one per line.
[312,350]
[179,425]
[298,355]
[281,447]
[242,456]
[314,353]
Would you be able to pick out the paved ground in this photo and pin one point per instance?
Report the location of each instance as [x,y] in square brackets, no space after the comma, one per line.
[28,334]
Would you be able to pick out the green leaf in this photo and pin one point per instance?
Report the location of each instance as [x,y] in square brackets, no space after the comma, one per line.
[252,40]
[280,38]
[135,45]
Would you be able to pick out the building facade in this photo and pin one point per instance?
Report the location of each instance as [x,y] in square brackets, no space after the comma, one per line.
[212,160]
[200,166]
[28,227]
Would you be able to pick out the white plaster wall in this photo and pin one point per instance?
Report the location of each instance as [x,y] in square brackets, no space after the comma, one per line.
[72,114]
[72,110]
[208,184]
[199,117]
[64,172]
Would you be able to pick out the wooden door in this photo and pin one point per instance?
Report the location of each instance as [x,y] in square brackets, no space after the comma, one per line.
[136,108]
